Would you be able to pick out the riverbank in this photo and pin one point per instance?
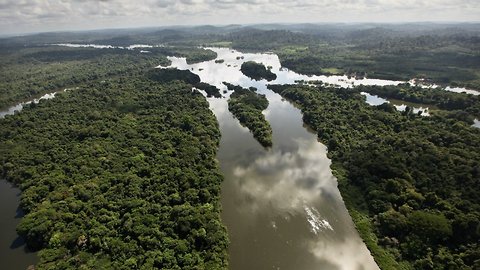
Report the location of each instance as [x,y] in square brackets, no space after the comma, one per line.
[394,195]
[14,254]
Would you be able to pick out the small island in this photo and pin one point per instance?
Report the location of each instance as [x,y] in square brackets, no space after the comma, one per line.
[247,107]
[257,71]
[211,90]
[167,75]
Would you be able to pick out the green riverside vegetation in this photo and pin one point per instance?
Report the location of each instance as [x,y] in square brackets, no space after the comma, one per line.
[463,107]
[119,174]
[31,71]
[247,107]
[411,183]
[166,75]
[257,71]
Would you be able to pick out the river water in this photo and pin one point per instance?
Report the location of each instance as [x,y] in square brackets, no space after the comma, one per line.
[13,252]
[281,206]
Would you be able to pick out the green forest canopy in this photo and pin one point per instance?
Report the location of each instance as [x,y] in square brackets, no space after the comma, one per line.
[118,175]
[411,183]
[247,107]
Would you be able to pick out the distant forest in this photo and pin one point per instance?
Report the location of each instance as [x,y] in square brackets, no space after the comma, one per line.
[121,173]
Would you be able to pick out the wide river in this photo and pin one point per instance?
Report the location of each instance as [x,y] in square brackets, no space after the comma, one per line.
[281,206]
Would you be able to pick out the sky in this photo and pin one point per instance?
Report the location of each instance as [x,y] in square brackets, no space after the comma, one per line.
[27,16]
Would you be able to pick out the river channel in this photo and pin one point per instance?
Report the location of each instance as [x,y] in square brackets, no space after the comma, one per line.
[281,205]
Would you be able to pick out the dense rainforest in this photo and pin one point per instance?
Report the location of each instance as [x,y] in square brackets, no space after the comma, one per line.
[247,107]
[119,174]
[30,71]
[464,107]
[166,75]
[257,71]
[411,183]
[445,53]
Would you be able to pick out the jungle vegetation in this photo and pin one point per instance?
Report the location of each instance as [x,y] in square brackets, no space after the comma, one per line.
[247,107]
[257,71]
[102,169]
[166,75]
[411,183]
[444,53]
[119,174]
[462,106]
[31,71]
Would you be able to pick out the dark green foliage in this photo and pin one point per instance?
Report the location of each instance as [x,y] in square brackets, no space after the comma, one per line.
[414,179]
[211,90]
[29,72]
[233,87]
[118,175]
[445,54]
[257,71]
[172,74]
[431,228]
[443,59]
[254,39]
[466,106]
[165,75]
[247,107]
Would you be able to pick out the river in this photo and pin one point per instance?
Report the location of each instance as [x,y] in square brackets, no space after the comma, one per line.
[13,252]
[281,206]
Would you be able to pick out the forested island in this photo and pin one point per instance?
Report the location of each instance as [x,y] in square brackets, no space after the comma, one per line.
[118,175]
[247,107]
[167,75]
[257,71]
[409,182]
[31,71]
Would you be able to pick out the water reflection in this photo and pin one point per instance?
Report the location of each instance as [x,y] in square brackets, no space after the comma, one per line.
[400,105]
[281,206]
[476,123]
[18,107]
[13,252]
[422,83]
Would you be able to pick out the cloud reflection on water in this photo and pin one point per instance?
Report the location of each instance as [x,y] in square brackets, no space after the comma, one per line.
[281,206]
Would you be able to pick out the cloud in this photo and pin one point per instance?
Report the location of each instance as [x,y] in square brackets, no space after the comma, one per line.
[41,15]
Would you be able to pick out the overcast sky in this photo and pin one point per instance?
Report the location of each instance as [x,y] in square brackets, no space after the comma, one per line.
[20,16]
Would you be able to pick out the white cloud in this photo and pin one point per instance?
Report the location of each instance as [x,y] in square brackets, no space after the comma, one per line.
[42,15]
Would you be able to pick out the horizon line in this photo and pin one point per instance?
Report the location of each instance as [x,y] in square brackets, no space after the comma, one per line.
[25,34]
